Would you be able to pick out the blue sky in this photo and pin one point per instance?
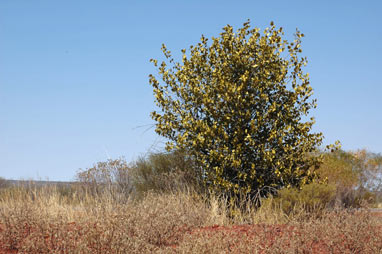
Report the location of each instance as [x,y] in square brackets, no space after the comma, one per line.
[74,74]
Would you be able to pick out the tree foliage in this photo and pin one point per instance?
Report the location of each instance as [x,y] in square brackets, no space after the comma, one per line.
[236,105]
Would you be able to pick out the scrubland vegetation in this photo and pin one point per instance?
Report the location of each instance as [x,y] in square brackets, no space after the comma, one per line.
[242,172]
[153,206]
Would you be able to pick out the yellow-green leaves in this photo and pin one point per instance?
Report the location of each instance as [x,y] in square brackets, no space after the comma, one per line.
[235,104]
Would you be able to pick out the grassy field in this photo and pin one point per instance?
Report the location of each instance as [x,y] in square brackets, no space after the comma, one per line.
[49,219]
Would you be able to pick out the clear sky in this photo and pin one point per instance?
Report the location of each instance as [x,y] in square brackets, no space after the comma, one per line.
[74,74]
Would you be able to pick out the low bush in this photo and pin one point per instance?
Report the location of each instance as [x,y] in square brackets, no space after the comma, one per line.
[164,172]
[157,172]
[311,198]
[111,176]
[356,175]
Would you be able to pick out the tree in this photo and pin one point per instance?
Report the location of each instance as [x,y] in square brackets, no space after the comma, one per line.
[357,175]
[236,105]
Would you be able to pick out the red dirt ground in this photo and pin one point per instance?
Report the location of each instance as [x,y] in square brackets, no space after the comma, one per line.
[272,232]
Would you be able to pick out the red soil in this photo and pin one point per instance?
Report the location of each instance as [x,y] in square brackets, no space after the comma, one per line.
[3,250]
[269,232]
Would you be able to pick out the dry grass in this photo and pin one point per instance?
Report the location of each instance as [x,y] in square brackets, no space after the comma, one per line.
[335,232]
[43,220]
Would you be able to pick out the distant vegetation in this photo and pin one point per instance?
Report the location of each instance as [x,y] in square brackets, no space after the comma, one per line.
[154,206]
[3,183]
[345,179]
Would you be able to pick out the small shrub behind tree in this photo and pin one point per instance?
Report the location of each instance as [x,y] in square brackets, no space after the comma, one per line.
[165,172]
[111,175]
[312,198]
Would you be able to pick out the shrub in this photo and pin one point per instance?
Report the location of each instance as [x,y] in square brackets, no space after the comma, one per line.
[356,175]
[235,105]
[112,176]
[311,198]
[164,172]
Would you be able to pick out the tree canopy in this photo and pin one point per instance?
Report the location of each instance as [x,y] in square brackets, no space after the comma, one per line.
[239,105]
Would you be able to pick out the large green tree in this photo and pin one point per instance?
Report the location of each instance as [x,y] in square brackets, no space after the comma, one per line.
[237,105]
